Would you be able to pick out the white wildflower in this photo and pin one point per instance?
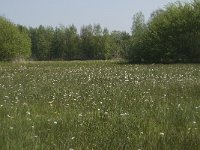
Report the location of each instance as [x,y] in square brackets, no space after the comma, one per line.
[80,115]
[162,134]
[10,116]
[50,102]
[28,113]
[106,113]
[124,114]
[25,104]
[179,105]
[29,119]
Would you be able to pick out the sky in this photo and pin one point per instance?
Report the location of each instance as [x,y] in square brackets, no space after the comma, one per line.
[113,14]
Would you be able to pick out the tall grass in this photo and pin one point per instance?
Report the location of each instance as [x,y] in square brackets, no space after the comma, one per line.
[99,105]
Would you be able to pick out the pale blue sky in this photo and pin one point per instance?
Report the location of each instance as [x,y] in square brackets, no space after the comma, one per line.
[113,14]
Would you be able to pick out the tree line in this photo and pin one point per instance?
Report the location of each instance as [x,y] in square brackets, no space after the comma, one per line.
[61,43]
[65,43]
[171,35]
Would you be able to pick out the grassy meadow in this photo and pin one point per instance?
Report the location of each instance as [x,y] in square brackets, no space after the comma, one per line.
[99,105]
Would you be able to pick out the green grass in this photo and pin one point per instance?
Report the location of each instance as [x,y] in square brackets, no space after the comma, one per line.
[99,105]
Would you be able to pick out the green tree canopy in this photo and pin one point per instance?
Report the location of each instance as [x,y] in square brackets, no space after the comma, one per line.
[171,35]
[15,44]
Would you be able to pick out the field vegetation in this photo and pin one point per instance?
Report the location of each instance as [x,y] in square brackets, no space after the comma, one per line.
[99,105]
